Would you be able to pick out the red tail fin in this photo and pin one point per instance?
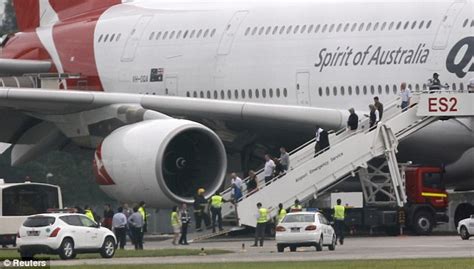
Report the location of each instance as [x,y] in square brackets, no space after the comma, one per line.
[29,13]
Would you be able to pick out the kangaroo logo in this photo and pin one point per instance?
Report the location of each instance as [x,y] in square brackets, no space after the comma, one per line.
[457,65]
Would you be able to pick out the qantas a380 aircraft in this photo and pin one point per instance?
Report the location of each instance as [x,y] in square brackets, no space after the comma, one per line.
[162,83]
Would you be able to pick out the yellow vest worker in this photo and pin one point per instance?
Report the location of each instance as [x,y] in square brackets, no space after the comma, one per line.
[89,214]
[262,220]
[216,201]
[262,215]
[281,215]
[339,212]
[141,210]
[174,219]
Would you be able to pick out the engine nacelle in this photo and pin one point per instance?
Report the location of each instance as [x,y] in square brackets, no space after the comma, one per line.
[162,162]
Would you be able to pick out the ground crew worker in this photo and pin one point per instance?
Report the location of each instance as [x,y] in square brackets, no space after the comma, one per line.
[200,210]
[142,210]
[175,223]
[216,211]
[281,213]
[136,224]
[262,219]
[339,214]
[88,212]
[296,207]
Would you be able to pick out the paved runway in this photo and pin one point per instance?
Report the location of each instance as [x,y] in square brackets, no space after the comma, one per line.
[361,248]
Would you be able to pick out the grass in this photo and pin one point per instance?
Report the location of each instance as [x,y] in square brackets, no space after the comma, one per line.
[462,263]
[13,254]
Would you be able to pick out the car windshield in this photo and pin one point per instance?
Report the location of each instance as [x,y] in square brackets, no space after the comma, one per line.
[298,218]
[40,221]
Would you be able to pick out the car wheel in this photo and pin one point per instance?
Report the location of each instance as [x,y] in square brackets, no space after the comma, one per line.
[333,243]
[464,233]
[319,245]
[26,255]
[66,250]
[292,248]
[108,248]
[280,248]
[423,223]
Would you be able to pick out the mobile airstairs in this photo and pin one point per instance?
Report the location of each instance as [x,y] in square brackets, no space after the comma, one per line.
[310,175]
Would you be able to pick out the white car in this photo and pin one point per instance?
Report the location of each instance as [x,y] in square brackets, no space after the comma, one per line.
[466,227]
[65,234]
[302,229]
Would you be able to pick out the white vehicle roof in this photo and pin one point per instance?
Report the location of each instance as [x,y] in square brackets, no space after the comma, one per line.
[4,185]
[56,215]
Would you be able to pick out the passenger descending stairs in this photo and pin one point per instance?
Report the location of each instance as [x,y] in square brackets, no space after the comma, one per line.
[309,175]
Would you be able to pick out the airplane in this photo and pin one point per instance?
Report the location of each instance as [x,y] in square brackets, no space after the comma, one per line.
[163,89]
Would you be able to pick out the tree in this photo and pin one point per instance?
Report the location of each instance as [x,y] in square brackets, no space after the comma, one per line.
[8,24]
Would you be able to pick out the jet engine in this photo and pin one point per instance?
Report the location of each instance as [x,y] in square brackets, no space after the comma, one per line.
[162,162]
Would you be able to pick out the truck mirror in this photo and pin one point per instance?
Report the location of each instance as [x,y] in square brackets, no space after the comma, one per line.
[472,216]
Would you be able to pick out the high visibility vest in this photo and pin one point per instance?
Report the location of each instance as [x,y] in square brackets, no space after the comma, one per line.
[296,207]
[262,215]
[216,201]
[142,212]
[339,211]
[89,214]
[174,219]
[281,215]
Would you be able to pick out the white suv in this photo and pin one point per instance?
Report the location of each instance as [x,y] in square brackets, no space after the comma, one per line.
[64,234]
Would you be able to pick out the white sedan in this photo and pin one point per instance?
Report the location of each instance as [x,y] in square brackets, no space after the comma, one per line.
[64,234]
[302,229]
[466,227]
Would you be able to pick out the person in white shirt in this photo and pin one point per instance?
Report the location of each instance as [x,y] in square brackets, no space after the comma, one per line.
[405,93]
[269,167]
[317,145]
[236,183]
[119,226]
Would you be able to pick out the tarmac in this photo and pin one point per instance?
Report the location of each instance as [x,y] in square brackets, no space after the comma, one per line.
[355,248]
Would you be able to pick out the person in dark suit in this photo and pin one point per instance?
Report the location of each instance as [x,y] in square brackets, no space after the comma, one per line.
[353,121]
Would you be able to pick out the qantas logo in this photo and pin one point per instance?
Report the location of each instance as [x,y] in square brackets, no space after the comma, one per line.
[460,57]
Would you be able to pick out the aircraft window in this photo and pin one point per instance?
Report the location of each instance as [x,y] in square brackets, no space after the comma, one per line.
[195,94]
[303,29]
[185,34]
[100,38]
[387,89]
[354,26]
[282,29]
[339,27]
[264,93]
[394,89]
[192,34]
[269,28]
[270,92]
[260,32]
[247,31]
[256,93]
[406,25]
[278,92]
[172,34]
[243,94]
[421,24]
[357,90]
[229,94]
[112,37]
[285,92]
[472,23]
[296,29]
[361,27]
[316,30]
[178,35]
[454,87]
[428,24]
[201,94]
[461,86]
[349,90]
[399,24]
[151,36]
[424,87]
[369,25]
[346,28]
[384,24]
[331,28]
[380,89]
[320,90]
[465,23]
[213,32]
[254,31]
[206,33]
[118,37]
[391,26]
[365,90]
[413,25]
[199,33]
[236,94]
[310,28]
[334,90]
[158,35]
[324,28]
[208,95]
[188,94]
[372,89]
[106,37]
[417,87]
[275,30]
[250,94]
[165,35]
[343,91]
[222,94]
[215,94]
[410,87]
[328,91]
[376,26]
[289,29]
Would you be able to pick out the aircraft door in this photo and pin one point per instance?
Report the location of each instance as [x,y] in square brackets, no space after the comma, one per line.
[229,34]
[446,26]
[171,85]
[302,88]
[133,40]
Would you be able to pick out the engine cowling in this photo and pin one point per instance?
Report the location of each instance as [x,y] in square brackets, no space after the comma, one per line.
[162,162]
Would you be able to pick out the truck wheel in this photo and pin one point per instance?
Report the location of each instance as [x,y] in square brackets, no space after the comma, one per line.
[66,250]
[333,243]
[280,248]
[319,245]
[464,233]
[292,248]
[423,223]
[26,255]
[108,248]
